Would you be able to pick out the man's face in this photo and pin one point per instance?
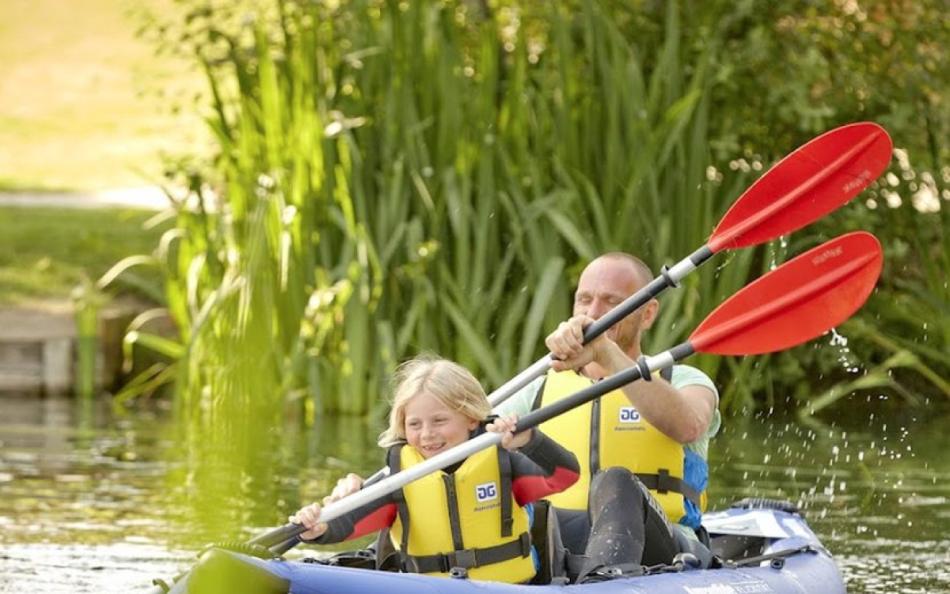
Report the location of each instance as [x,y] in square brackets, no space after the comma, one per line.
[604,284]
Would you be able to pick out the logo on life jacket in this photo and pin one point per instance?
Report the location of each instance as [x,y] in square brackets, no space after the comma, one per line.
[629,414]
[486,492]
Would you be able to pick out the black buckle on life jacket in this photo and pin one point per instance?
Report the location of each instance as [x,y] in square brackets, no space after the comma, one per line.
[466,559]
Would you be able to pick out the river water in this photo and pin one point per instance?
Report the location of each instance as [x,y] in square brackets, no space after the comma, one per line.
[92,501]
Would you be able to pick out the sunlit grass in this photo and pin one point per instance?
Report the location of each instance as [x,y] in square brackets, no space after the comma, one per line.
[84,103]
[44,252]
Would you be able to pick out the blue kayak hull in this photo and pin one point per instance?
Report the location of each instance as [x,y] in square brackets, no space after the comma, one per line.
[806,568]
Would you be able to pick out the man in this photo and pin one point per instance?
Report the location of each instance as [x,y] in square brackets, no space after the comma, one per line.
[642,448]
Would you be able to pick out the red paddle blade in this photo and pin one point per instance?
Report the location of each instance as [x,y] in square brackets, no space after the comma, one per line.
[817,178]
[801,299]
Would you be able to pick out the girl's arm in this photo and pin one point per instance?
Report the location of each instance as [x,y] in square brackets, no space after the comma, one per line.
[367,519]
[540,468]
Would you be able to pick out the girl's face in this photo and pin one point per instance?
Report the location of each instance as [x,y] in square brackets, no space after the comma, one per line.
[431,427]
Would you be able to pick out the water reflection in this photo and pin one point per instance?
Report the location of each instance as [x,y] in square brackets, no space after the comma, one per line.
[92,502]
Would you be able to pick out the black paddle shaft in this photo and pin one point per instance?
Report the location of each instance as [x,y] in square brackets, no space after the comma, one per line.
[638,299]
[598,389]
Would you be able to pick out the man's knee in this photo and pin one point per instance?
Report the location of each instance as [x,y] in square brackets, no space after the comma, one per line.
[612,483]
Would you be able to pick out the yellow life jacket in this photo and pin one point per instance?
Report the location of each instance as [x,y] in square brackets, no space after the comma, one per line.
[468,518]
[610,432]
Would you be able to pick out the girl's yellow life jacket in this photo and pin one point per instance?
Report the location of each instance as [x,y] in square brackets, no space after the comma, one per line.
[468,518]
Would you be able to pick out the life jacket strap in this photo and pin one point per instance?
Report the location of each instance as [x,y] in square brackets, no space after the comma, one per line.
[662,482]
[399,496]
[469,558]
[504,468]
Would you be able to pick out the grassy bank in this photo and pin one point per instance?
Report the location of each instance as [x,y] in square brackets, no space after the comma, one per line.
[84,103]
[45,251]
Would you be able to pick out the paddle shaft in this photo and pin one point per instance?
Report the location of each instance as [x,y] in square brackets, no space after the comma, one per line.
[742,226]
[805,296]
[790,195]
[669,278]
[371,492]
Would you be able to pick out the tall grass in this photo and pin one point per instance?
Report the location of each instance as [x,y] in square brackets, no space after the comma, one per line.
[394,177]
[398,177]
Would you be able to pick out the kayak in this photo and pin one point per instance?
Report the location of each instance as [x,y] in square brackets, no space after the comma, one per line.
[757,547]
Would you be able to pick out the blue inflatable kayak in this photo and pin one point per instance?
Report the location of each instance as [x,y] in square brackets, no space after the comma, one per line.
[758,549]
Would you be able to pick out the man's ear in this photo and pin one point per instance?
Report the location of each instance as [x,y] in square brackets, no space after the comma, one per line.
[650,310]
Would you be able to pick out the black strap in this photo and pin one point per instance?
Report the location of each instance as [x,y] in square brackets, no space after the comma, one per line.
[752,561]
[662,482]
[504,472]
[469,558]
[394,461]
[452,503]
[594,446]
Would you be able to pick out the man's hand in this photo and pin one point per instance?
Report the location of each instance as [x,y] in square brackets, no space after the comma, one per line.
[567,346]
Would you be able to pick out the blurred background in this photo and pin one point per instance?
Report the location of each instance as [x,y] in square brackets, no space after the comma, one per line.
[222,225]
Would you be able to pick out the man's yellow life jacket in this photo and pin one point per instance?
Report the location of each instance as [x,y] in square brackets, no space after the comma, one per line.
[610,432]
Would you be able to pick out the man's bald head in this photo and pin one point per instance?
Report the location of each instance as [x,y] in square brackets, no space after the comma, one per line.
[639,268]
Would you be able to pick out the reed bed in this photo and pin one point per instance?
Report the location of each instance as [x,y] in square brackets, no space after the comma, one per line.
[398,177]
[401,177]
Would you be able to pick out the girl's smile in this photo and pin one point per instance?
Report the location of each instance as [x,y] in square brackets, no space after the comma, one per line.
[432,427]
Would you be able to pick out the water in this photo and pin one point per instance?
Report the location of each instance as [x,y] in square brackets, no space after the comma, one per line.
[94,502]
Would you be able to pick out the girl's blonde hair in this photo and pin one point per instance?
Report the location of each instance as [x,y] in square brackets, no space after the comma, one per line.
[448,382]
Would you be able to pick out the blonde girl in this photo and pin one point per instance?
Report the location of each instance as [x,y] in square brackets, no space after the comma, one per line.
[471,516]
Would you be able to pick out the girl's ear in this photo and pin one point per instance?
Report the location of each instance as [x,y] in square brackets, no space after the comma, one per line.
[472,424]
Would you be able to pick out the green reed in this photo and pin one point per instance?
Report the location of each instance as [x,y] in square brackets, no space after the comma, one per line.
[399,177]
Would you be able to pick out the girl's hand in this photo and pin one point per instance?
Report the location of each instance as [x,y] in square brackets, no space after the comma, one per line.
[506,425]
[309,517]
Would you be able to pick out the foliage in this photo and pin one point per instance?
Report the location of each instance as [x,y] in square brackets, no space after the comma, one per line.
[790,70]
[413,174]
[398,177]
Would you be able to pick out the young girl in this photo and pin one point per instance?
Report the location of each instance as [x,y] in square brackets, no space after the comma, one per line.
[472,514]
